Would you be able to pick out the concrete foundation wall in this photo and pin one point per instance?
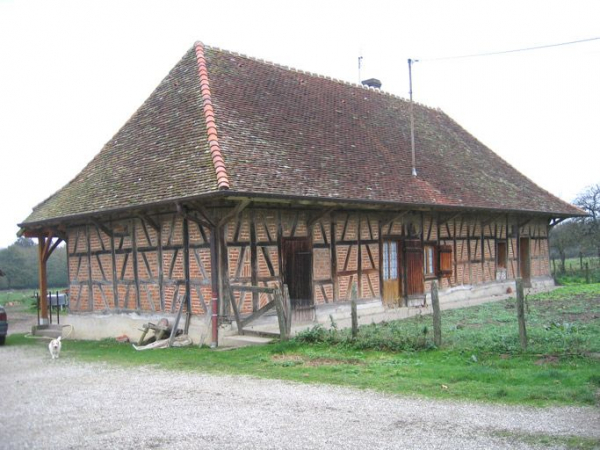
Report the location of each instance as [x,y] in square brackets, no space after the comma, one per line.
[111,325]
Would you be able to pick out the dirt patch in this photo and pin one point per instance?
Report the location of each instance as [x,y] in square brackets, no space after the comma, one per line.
[313,362]
[547,360]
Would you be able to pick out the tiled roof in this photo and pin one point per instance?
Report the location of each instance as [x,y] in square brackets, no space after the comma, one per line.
[221,120]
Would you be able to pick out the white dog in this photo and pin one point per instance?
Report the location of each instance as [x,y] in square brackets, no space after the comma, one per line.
[54,346]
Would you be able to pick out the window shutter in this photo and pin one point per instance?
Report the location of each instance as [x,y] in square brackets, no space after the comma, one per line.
[414,267]
[445,255]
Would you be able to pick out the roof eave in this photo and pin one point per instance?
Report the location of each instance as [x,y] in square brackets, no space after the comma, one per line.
[326,201]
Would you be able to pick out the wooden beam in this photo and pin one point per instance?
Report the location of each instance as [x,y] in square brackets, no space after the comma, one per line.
[255,315]
[49,252]
[242,288]
[233,213]
[399,216]
[491,219]
[103,227]
[319,215]
[149,221]
[204,213]
[448,219]
[525,222]
[554,222]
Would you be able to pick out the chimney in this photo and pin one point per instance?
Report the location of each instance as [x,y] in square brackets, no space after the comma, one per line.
[372,82]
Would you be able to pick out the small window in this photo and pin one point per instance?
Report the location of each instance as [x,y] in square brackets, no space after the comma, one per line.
[501,255]
[429,260]
[390,260]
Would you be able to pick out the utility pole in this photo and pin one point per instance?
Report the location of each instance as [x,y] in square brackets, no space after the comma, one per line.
[359,67]
[412,118]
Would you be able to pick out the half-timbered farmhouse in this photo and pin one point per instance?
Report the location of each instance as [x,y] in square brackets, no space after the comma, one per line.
[239,175]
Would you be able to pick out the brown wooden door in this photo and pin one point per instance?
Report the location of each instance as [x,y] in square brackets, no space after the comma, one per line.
[524,261]
[392,278]
[297,270]
[413,255]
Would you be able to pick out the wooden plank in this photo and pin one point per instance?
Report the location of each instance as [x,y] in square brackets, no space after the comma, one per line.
[258,289]
[258,313]
[345,273]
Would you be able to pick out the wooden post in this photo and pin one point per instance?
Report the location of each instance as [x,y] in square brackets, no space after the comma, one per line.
[521,314]
[43,280]
[214,283]
[354,319]
[278,298]
[437,317]
[587,273]
[186,274]
[288,309]
[253,261]
[333,254]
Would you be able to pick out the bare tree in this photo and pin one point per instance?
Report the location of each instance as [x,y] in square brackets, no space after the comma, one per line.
[589,201]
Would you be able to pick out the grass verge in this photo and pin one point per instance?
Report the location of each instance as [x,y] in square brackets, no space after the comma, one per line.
[479,360]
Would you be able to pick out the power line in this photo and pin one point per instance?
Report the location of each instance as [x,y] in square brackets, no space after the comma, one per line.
[526,49]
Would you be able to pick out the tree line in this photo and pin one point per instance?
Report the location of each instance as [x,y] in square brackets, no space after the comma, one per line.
[572,238]
[19,263]
[578,237]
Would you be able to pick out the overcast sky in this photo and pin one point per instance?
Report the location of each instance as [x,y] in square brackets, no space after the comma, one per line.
[72,73]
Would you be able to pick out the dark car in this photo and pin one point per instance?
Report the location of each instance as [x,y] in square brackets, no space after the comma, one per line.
[3,325]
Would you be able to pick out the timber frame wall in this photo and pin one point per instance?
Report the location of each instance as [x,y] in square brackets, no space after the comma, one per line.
[140,263]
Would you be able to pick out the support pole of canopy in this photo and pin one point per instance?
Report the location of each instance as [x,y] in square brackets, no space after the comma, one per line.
[43,280]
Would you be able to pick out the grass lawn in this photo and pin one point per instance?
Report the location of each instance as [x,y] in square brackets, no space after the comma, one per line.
[480,358]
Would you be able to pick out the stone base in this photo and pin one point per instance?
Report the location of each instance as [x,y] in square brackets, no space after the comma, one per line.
[111,325]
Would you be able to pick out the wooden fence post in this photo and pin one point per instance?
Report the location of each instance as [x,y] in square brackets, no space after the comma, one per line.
[437,317]
[587,273]
[521,314]
[354,316]
[288,308]
[278,298]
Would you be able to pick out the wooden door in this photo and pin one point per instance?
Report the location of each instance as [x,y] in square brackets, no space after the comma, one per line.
[524,261]
[413,255]
[297,270]
[392,279]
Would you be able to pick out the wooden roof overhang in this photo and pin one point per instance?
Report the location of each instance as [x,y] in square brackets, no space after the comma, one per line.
[230,199]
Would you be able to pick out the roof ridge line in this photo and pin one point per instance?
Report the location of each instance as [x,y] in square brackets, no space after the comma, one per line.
[209,116]
[318,75]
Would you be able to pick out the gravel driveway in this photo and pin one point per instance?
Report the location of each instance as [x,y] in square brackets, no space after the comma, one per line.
[64,404]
